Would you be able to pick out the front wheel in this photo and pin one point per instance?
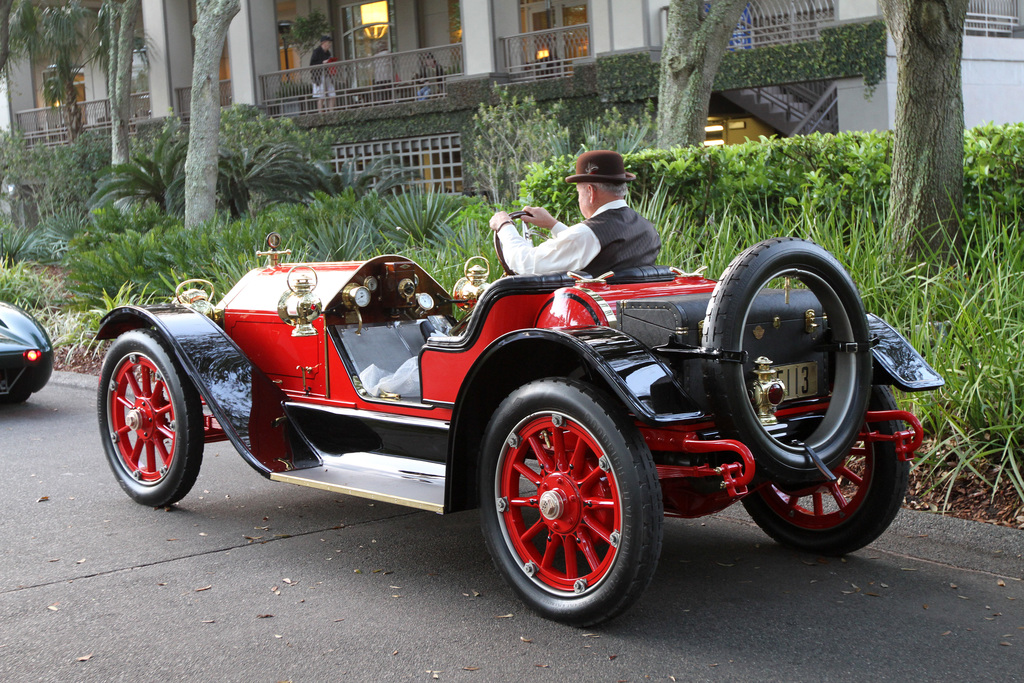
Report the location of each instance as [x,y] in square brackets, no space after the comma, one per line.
[151,420]
[570,501]
[839,517]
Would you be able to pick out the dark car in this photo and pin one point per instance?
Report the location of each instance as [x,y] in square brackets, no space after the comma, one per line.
[575,412]
[26,355]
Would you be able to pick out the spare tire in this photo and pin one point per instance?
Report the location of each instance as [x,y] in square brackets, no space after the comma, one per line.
[781,457]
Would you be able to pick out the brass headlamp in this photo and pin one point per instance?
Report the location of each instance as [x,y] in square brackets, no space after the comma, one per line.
[472,284]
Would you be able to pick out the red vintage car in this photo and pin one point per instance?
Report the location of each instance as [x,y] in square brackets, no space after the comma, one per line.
[574,411]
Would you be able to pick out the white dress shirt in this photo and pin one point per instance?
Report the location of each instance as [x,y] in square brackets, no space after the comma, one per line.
[569,248]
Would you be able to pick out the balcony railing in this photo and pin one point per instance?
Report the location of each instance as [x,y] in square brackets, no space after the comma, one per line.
[183,98]
[383,79]
[777,22]
[47,125]
[545,54]
[996,18]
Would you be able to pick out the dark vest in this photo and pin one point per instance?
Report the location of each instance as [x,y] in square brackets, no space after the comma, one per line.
[627,240]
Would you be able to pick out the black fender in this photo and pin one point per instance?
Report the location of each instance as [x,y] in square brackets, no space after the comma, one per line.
[606,357]
[246,403]
[897,362]
[19,331]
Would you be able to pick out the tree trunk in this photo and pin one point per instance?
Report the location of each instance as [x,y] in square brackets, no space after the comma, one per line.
[926,196]
[695,43]
[5,32]
[72,110]
[123,17]
[213,18]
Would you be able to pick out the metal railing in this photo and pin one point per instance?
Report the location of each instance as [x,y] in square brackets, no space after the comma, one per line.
[383,79]
[996,18]
[48,125]
[183,98]
[778,22]
[545,54]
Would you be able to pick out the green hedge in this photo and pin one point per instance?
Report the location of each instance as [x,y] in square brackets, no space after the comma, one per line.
[779,175]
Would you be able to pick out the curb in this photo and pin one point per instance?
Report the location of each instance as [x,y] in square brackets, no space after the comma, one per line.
[74,379]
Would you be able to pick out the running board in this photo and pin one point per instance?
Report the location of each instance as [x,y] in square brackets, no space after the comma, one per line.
[389,479]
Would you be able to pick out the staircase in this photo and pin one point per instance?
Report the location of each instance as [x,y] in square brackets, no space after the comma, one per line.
[793,109]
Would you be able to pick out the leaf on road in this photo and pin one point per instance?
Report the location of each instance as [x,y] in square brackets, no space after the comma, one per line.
[1005,644]
[947,633]
[84,658]
[204,588]
[209,621]
[503,616]
[264,616]
[42,499]
[591,635]
[1001,583]
[53,607]
[542,666]
[471,668]
[290,582]
[80,561]
[525,640]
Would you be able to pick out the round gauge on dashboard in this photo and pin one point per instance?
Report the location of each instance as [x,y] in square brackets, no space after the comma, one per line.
[357,295]
[370,282]
[425,301]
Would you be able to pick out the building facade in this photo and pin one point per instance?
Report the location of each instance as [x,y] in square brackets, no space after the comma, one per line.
[408,74]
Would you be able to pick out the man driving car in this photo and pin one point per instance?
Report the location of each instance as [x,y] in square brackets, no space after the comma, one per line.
[611,237]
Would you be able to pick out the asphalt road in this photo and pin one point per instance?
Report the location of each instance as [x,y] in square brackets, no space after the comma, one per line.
[250,580]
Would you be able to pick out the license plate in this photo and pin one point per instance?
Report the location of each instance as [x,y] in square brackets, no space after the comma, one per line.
[801,379]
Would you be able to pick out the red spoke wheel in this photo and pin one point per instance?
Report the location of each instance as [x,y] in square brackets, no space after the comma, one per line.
[842,516]
[151,419]
[571,505]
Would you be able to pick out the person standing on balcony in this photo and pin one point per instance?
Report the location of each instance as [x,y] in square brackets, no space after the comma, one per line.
[323,84]
[383,76]
[611,237]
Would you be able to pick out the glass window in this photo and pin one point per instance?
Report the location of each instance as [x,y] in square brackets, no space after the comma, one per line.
[538,15]
[367,28]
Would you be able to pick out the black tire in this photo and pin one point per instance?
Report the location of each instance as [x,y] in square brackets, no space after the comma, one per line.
[726,382]
[19,393]
[151,420]
[601,532]
[810,519]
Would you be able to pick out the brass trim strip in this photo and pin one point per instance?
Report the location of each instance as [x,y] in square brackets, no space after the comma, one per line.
[361,493]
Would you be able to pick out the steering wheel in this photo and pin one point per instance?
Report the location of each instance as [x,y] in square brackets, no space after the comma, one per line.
[515,215]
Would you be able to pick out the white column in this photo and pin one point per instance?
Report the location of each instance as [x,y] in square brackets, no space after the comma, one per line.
[847,10]
[18,93]
[252,49]
[478,51]
[168,30]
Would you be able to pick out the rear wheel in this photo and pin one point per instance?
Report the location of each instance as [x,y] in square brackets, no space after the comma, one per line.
[150,417]
[843,516]
[571,505]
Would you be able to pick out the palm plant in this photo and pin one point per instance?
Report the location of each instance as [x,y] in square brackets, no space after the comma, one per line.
[159,178]
[61,36]
[383,174]
[274,173]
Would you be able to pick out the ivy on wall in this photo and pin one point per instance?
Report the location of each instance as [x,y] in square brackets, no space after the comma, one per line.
[841,52]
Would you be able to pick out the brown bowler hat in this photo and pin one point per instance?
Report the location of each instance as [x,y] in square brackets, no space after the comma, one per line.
[600,166]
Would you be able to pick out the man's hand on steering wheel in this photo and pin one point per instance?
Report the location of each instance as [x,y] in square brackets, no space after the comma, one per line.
[538,216]
[499,219]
